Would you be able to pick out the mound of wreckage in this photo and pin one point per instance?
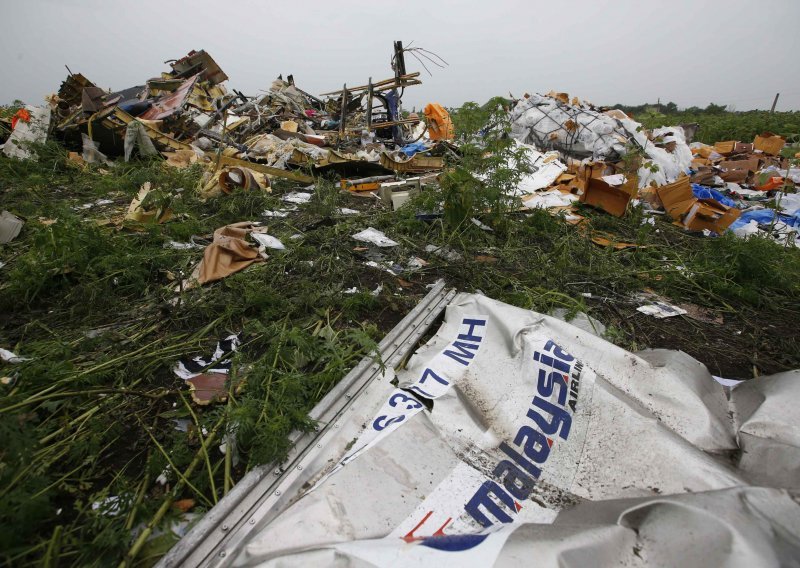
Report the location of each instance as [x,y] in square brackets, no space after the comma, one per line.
[188,115]
[578,152]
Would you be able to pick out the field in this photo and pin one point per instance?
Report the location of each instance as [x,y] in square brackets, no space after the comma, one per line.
[743,126]
[101,445]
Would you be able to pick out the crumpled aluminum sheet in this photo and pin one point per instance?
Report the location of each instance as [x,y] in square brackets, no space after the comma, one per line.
[514,438]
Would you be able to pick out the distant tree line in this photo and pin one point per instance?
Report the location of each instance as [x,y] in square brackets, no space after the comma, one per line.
[670,108]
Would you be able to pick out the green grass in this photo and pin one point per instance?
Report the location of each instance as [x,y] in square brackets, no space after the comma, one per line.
[742,126]
[91,414]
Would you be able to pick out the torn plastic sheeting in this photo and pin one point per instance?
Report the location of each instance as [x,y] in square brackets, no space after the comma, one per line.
[542,436]
[32,131]
[545,169]
[614,179]
[789,202]
[778,231]
[549,199]
[375,237]
[268,241]
[745,229]
[703,192]
[414,148]
[764,217]
[792,173]
[136,138]
[444,252]
[91,154]
[280,213]
[661,310]
[671,165]
[11,357]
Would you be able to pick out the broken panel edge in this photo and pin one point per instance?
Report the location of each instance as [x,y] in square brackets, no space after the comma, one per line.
[229,522]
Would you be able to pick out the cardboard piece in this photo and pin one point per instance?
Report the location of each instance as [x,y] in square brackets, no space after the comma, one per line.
[737,171]
[608,240]
[725,148]
[650,195]
[704,151]
[136,212]
[751,164]
[734,176]
[692,213]
[611,199]
[769,143]
[180,158]
[704,175]
[743,148]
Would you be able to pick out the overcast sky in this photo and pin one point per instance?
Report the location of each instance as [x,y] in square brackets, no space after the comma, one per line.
[692,52]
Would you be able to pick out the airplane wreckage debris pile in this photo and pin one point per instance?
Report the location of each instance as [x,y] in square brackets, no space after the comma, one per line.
[574,151]
[269,377]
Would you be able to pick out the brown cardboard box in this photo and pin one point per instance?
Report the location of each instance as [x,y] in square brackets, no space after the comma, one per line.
[676,196]
[750,164]
[734,176]
[704,151]
[609,198]
[743,148]
[725,148]
[704,175]
[710,214]
[737,171]
[695,214]
[650,195]
[769,143]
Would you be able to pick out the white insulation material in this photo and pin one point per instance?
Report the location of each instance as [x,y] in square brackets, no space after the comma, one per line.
[25,133]
[581,132]
[516,439]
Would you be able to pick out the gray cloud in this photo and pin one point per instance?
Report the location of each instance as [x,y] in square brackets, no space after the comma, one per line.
[692,52]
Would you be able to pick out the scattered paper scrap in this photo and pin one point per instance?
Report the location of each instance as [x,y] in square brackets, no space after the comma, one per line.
[268,241]
[661,310]
[375,237]
[297,197]
[444,252]
[11,357]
